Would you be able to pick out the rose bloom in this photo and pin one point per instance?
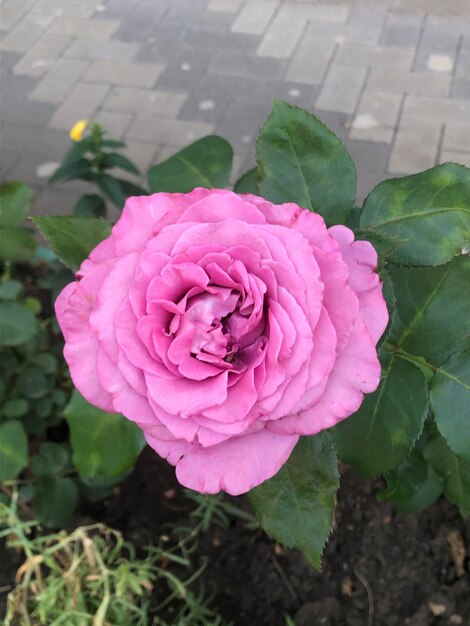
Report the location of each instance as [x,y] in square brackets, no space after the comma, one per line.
[225,327]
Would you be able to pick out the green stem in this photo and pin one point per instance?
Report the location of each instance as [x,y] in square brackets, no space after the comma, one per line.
[410,357]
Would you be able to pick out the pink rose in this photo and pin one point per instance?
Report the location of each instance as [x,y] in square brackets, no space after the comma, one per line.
[225,327]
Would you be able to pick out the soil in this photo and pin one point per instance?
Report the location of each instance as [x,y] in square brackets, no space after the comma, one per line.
[379,568]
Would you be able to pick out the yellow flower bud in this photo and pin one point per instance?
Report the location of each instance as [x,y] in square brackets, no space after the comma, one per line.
[77,130]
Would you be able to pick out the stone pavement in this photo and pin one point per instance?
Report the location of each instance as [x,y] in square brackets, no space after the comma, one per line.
[390,77]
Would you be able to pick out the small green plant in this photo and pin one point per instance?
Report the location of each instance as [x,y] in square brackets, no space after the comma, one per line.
[92,576]
[217,510]
[93,157]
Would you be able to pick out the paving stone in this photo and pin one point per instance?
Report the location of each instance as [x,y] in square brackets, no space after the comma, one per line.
[125,74]
[25,33]
[399,81]
[282,36]
[42,56]
[143,102]
[164,45]
[376,117]
[20,137]
[141,21]
[455,157]
[341,89]
[8,160]
[7,61]
[461,83]
[456,137]
[221,41]
[65,8]
[402,30]
[310,61]
[167,131]
[143,155]
[90,50]
[337,122]
[225,6]
[241,122]
[82,102]
[115,122]
[117,9]
[22,110]
[355,33]
[184,69]
[254,17]
[366,56]
[438,109]
[369,16]
[244,65]
[210,22]
[416,146]
[440,38]
[77,27]
[371,160]
[51,201]
[12,11]
[59,81]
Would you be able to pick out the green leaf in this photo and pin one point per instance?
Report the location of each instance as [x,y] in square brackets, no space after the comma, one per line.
[131,189]
[248,183]
[104,444]
[73,238]
[81,168]
[450,402]
[32,383]
[16,244]
[54,501]
[114,159]
[112,189]
[413,486]
[433,306]
[382,432]
[15,201]
[10,289]
[16,407]
[90,205]
[430,211]
[46,362]
[76,152]
[300,160]
[17,324]
[112,143]
[13,450]
[296,506]
[205,163]
[454,471]
[52,459]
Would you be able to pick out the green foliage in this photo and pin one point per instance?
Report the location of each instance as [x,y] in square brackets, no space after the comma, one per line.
[90,159]
[105,445]
[17,324]
[429,212]
[388,422]
[300,160]
[205,163]
[296,506]
[17,244]
[73,238]
[13,449]
[248,183]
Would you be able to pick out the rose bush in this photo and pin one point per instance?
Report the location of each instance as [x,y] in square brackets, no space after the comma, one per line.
[225,327]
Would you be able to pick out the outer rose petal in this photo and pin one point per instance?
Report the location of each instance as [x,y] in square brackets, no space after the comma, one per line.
[235,466]
[361,259]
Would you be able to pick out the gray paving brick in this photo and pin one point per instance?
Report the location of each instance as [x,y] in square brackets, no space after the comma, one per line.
[59,81]
[77,27]
[254,17]
[376,117]
[52,201]
[125,74]
[65,8]
[48,141]
[42,56]
[184,69]
[310,61]
[371,161]
[115,122]
[167,131]
[402,30]
[222,40]
[90,50]
[143,155]
[208,21]
[241,122]
[117,9]
[440,38]
[456,137]
[366,56]
[141,21]
[12,11]
[399,81]
[337,122]
[356,33]
[415,147]
[436,109]
[368,16]
[143,102]
[7,62]
[225,6]
[461,84]
[282,36]
[25,33]
[8,160]
[82,102]
[244,65]
[455,157]
[341,89]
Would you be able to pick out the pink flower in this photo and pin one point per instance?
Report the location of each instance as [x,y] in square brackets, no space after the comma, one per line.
[225,327]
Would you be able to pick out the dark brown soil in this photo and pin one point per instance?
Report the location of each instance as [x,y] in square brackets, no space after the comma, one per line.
[379,568]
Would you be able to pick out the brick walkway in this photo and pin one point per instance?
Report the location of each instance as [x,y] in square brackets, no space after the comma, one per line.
[392,78]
